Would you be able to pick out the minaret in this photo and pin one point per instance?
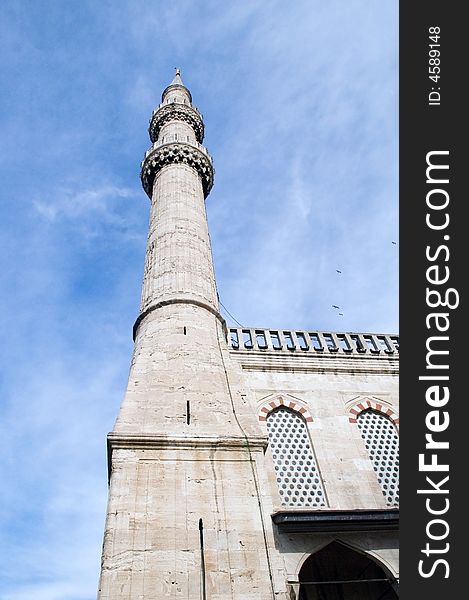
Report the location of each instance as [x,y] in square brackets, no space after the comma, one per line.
[184,452]
[177,174]
[177,370]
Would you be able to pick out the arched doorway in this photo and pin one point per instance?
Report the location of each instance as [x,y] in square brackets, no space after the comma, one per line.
[339,573]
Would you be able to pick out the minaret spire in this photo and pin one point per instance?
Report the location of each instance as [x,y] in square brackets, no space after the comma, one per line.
[177,86]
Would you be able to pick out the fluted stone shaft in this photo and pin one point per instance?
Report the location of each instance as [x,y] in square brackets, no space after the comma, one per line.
[178,262]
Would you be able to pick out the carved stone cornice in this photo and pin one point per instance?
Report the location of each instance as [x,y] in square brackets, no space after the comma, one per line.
[180,112]
[117,441]
[177,153]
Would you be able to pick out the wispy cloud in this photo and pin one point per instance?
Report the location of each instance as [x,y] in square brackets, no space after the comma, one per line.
[72,204]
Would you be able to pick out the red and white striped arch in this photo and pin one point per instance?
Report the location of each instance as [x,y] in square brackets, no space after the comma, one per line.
[365,403]
[287,401]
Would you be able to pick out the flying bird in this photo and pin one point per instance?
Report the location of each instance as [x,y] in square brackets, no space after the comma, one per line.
[337,270]
[335,306]
[394,243]
[341,314]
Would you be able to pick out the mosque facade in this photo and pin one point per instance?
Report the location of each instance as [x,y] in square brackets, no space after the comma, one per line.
[245,463]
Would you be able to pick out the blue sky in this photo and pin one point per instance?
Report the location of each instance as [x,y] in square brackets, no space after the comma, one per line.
[300,105]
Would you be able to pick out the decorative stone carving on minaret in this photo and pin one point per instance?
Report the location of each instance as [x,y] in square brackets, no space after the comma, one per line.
[172,144]
[183,152]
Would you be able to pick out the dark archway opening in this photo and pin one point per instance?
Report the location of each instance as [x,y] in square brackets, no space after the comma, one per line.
[339,573]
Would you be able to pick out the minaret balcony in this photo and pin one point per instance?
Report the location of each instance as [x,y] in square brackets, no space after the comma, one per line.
[174,150]
[176,111]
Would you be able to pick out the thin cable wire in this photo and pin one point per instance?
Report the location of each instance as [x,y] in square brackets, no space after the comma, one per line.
[228,312]
[253,471]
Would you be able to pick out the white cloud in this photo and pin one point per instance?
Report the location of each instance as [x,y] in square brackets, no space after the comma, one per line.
[68,203]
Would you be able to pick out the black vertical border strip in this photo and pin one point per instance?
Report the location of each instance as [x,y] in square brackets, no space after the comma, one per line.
[424,128]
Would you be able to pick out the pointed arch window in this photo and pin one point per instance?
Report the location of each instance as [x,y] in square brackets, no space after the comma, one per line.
[298,477]
[382,443]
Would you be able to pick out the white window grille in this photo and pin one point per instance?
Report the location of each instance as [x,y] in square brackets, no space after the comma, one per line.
[298,477]
[382,443]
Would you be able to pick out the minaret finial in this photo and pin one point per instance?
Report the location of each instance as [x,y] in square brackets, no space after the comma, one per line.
[177,77]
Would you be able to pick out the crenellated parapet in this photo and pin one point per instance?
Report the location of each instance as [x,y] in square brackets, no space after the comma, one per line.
[176,112]
[317,343]
[186,153]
